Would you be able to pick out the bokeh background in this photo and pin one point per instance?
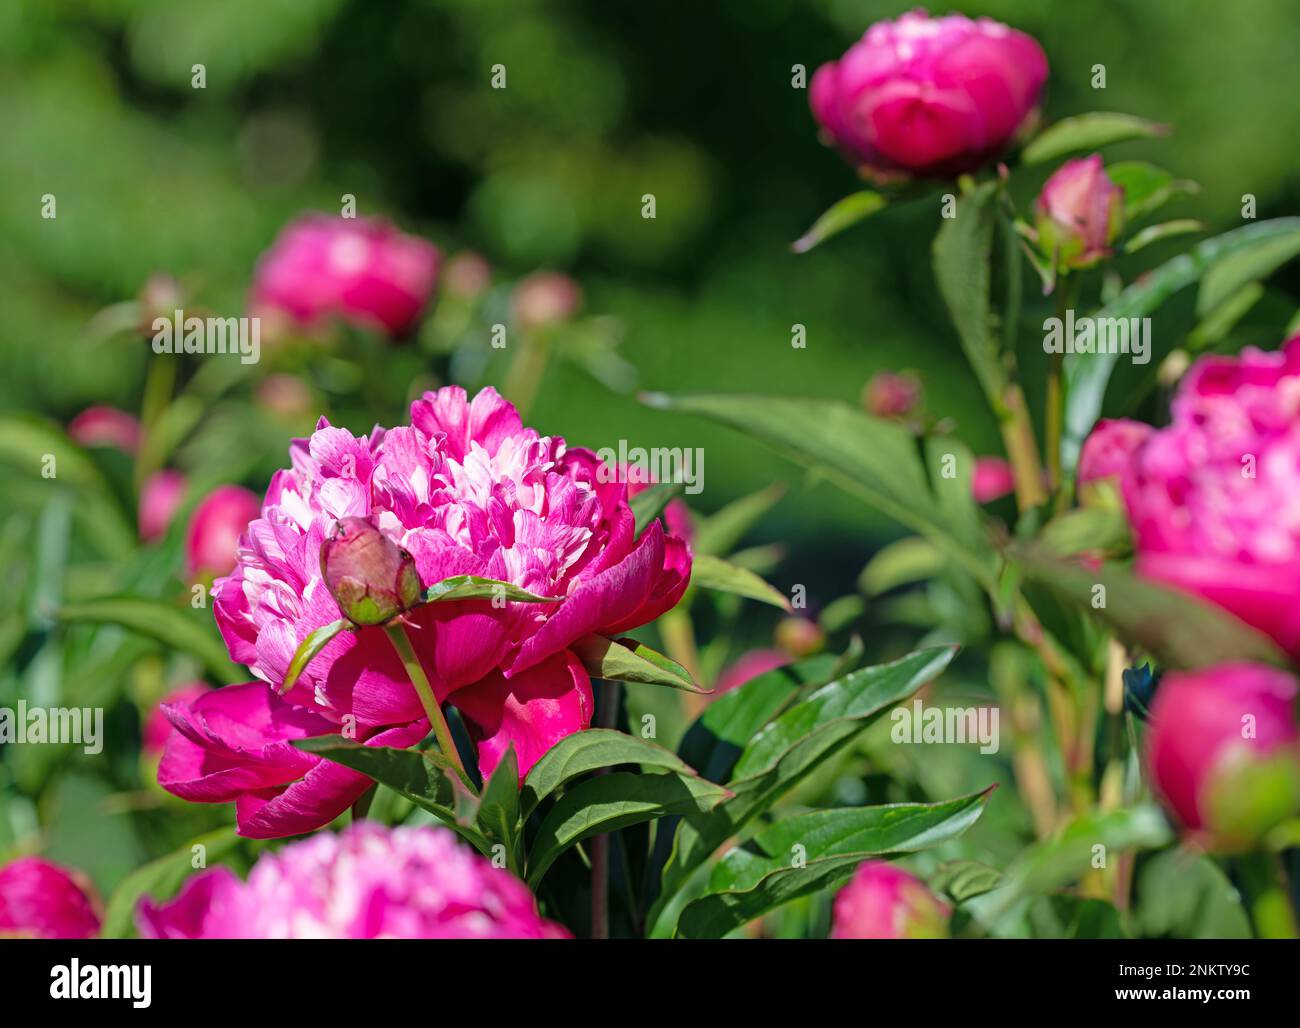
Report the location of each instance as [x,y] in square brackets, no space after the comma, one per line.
[391,101]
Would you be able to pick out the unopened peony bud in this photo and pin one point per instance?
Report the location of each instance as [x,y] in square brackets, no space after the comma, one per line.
[1080,212]
[992,479]
[212,539]
[466,275]
[1105,456]
[1223,751]
[159,500]
[371,577]
[891,395]
[105,426]
[801,637]
[885,902]
[545,297]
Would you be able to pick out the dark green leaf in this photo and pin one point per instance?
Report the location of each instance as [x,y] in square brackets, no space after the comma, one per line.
[1088,132]
[472,587]
[626,660]
[708,572]
[961,880]
[498,815]
[842,214]
[1146,187]
[310,648]
[650,502]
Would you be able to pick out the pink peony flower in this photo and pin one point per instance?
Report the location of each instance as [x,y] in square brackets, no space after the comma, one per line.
[39,899]
[750,666]
[215,527]
[105,426]
[157,728]
[361,270]
[366,882]
[1109,448]
[882,901]
[159,500]
[1080,211]
[928,97]
[465,489]
[1223,751]
[1213,497]
[235,744]
[992,479]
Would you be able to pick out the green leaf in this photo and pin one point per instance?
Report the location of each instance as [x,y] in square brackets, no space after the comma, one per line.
[801,855]
[1179,629]
[1086,529]
[650,503]
[161,879]
[1088,374]
[708,572]
[871,458]
[1237,270]
[897,563]
[961,880]
[613,801]
[173,626]
[720,533]
[1165,230]
[1088,132]
[587,751]
[787,750]
[962,254]
[626,660]
[1146,187]
[1185,895]
[840,215]
[309,649]
[425,777]
[472,587]
[1220,321]
[498,815]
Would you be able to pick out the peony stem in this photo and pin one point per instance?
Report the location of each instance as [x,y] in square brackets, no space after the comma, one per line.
[600,844]
[424,690]
[1022,450]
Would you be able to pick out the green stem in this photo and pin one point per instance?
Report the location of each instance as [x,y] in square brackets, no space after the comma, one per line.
[600,844]
[397,634]
[525,373]
[1067,292]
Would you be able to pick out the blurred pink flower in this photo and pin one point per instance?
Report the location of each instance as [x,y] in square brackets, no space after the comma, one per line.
[157,728]
[361,270]
[467,274]
[1223,751]
[928,97]
[40,899]
[1109,448]
[105,426]
[366,882]
[285,396]
[545,297]
[235,744]
[159,500]
[882,901]
[992,479]
[750,666]
[215,527]
[466,489]
[1214,498]
[889,394]
[1079,213]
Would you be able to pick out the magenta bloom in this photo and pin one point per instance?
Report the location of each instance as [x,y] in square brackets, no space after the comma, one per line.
[367,882]
[1212,497]
[750,666]
[159,500]
[1109,448]
[41,900]
[991,480]
[105,426]
[1223,751]
[466,490]
[891,395]
[928,97]
[1080,211]
[157,728]
[882,901]
[363,271]
[235,744]
[215,527]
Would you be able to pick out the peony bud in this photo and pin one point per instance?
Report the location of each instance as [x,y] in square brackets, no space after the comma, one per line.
[41,900]
[750,666]
[105,426]
[371,577]
[890,395]
[992,479]
[1223,751]
[159,500]
[545,297]
[1105,456]
[885,902]
[212,540]
[799,636]
[1080,212]
[928,97]
[466,275]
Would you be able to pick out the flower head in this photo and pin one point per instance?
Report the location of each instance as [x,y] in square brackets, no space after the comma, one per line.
[40,899]
[928,97]
[1080,212]
[215,527]
[366,882]
[885,902]
[160,499]
[1105,457]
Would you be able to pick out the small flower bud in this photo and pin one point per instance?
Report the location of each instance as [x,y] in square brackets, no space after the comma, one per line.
[885,902]
[1080,212]
[370,577]
[891,395]
[800,637]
